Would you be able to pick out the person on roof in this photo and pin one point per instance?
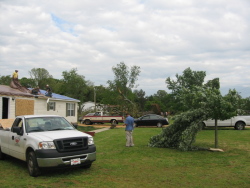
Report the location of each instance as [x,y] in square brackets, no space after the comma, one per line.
[36,91]
[16,84]
[48,91]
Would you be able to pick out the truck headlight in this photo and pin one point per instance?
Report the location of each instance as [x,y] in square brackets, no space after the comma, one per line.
[46,145]
[90,141]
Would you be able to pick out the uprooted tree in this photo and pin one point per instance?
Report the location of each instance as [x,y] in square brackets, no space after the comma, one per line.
[198,102]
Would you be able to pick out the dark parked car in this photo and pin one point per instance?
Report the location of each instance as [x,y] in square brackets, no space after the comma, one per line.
[151,120]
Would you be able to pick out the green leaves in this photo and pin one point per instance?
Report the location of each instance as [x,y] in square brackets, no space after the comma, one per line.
[198,102]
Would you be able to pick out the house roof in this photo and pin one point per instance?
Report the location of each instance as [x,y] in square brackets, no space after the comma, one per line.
[7,90]
[57,96]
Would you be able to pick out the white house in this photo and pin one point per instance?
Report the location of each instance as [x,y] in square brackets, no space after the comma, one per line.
[14,102]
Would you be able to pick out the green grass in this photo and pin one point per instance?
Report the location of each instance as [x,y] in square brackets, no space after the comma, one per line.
[86,128]
[143,166]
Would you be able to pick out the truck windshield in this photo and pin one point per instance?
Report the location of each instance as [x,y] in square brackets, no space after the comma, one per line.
[39,124]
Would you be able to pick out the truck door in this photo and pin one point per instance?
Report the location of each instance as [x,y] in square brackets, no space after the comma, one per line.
[17,142]
[225,123]
[98,117]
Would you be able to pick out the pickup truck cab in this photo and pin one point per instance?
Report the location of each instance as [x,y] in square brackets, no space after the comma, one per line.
[100,117]
[238,122]
[47,141]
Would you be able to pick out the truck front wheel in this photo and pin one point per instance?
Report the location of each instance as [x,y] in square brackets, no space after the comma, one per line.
[32,164]
[2,155]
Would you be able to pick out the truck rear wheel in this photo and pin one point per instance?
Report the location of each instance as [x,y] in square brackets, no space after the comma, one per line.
[2,155]
[32,164]
[240,125]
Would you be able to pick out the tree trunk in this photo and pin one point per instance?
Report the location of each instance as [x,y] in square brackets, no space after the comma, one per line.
[216,134]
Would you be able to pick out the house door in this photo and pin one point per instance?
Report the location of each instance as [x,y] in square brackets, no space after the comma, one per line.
[5,107]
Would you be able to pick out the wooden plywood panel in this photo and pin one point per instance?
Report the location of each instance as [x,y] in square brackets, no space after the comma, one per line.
[6,122]
[24,107]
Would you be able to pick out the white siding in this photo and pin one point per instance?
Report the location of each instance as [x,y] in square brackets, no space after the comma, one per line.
[12,108]
[41,108]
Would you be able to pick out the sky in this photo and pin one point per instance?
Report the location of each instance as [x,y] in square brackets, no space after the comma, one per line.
[162,37]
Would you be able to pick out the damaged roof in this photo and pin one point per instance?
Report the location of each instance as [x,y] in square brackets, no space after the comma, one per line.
[7,90]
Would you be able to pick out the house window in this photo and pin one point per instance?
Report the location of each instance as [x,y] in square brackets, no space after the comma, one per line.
[70,109]
[51,106]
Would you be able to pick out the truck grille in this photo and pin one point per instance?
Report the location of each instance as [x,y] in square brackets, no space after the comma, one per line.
[71,144]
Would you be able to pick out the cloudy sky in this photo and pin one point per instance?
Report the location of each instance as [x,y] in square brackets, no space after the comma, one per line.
[162,37]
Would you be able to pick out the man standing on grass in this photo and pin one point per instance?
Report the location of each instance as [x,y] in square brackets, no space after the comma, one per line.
[129,123]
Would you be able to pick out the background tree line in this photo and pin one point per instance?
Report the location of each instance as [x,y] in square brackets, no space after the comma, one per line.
[122,89]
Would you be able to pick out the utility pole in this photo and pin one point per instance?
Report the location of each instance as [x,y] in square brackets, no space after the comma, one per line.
[95,98]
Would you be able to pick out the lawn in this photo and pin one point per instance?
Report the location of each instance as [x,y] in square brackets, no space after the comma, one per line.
[143,166]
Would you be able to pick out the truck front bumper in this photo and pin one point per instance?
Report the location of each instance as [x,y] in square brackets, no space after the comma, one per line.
[51,158]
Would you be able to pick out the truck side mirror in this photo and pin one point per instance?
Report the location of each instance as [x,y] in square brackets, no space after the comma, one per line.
[17,130]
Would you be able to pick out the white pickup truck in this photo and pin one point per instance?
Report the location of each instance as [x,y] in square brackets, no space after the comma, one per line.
[238,122]
[100,117]
[47,141]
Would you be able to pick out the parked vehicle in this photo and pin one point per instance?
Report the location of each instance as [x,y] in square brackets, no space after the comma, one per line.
[151,120]
[47,141]
[238,122]
[100,117]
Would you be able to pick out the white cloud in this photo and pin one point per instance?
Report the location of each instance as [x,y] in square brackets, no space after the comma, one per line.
[162,37]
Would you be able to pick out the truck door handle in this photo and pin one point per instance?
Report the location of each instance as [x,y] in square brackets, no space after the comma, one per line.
[12,137]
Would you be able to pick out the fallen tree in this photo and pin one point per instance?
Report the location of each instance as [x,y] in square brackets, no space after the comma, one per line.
[182,133]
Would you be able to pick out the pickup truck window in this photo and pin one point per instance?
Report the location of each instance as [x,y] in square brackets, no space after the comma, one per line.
[40,124]
[18,123]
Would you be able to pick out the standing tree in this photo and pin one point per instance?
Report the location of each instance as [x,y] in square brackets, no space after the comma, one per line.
[40,75]
[189,80]
[74,85]
[27,82]
[140,98]
[5,80]
[123,83]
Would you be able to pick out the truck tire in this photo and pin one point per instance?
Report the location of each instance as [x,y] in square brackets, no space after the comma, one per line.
[32,164]
[2,155]
[87,122]
[113,122]
[240,125]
